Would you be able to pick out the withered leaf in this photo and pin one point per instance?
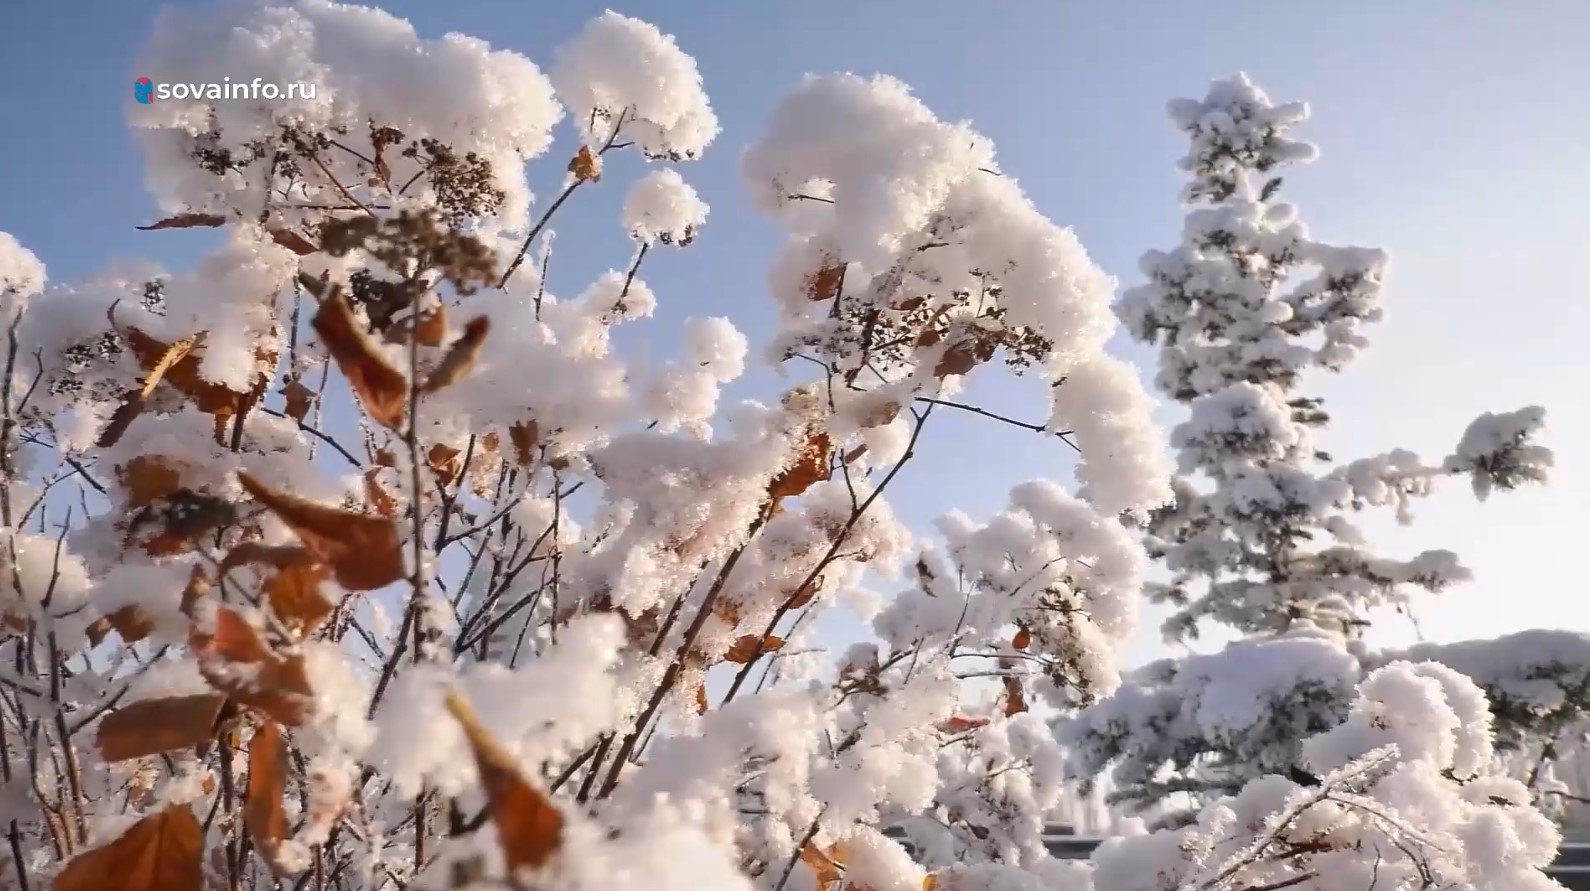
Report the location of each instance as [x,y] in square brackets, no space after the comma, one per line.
[293,591]
[444,461]
[382,388]
[460,356]
[162,852]
[132,405]
[961,723]
[585,165]
[151,726]
[237,661]
[148,479]
[529,826]
[822,863]
[810,467]
[363,551]
[964,355]
[745,647]
[1022,639]
[130,622]
[1015,697]
[294,242]
[525,436]
[379,498]
[824,284]
[181,370]
[700,696]
[187,221]
[267,782]
[431,329]
[299,399]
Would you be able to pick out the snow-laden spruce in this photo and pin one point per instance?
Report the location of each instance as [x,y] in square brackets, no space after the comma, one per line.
[1261,537]
[366,559]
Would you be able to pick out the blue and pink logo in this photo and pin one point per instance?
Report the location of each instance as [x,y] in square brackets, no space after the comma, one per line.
[144,90]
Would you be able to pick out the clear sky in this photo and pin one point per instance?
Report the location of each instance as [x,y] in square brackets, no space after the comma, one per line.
[1455,135]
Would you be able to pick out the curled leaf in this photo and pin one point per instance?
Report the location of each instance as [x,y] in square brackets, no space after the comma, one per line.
[363,551]
[151,726]
[810,467]
[747,647]
[585,165]
[299,399]
[293,591]
[382,388]
[237,661]
[460,356]
[187,221]
[1015,696]
[961,723]
[529,826]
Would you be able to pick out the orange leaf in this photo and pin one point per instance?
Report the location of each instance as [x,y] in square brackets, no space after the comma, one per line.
[701,697]
[363,551]
[294,242]
[822,863]
[804,596]
[267,782]
[379,498]
[443,461]
[182,372]
[299,399]
[930,881]
[460,356]
[525,437]
[431,329]
[385,458]
[961,723]
[187,221]
[198,586]
[237,662]
[810,467]
[1015,697]
[152,726]
[585,165]
[1022,639]
[131,623]
[824,284]
[162,852]
[965,355]
[383,389]
[147,480]
[745,647]
[529,826]
[294,590]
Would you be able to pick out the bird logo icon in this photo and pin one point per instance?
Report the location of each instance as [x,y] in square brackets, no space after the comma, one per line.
[144,90]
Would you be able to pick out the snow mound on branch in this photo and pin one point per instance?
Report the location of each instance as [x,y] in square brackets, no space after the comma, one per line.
[624,72]
[369,69]
[661,206]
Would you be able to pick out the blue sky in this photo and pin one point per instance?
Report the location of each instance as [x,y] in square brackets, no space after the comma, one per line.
[1455,135]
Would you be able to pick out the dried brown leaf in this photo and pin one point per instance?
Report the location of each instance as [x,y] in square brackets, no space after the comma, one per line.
[745,647]
[529,826]
[525,437]
[1015,697]
[293,591]
[147,479]
[380,499]
[237,661]
[383,389]
[961,723]
[267,782]
[445,462]
[294,242]
[460,356]
[187,221]
[151,726]
[810,467]
[824,284]
[162,852]
[299,399]
[585,165]
[1022,639]
[363,551]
